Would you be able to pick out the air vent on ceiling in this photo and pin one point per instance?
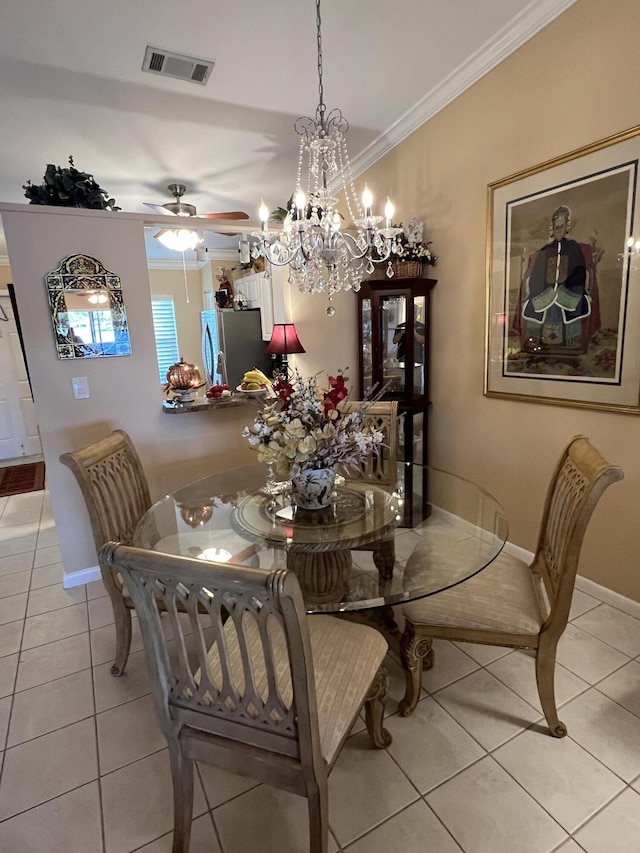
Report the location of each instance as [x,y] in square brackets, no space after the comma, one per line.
[177,65]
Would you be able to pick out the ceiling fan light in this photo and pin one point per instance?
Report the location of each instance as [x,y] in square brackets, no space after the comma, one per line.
[178,240]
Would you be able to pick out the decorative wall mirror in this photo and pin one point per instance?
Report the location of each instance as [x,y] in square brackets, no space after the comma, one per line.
[87,309]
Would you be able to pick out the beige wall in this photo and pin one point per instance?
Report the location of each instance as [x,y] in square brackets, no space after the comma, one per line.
[574,83]
[124,392]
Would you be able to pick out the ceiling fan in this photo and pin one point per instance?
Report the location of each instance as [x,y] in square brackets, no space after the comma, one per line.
[181,239]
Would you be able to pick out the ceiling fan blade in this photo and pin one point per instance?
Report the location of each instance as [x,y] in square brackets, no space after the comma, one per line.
[234,214]
[159,208]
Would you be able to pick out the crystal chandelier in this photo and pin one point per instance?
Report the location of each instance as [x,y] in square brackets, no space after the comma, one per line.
[321,257]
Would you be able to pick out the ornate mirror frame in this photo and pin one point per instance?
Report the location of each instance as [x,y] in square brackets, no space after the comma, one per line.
[87,309]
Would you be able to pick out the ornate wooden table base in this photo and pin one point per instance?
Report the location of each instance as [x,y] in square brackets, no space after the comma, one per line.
[322,575]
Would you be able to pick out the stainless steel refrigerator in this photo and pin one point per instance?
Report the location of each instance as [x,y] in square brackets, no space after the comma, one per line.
[232,344]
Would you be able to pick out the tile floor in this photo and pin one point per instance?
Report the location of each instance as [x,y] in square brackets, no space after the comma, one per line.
[84,768]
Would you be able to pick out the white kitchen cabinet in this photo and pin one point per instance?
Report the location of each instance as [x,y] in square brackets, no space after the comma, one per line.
[267,294]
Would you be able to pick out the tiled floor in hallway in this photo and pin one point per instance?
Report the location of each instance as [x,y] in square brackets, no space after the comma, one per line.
[84,768]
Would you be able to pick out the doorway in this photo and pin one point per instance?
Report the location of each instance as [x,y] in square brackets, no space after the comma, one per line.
[19,436]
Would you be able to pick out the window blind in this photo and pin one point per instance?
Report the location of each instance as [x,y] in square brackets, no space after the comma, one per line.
[166,334]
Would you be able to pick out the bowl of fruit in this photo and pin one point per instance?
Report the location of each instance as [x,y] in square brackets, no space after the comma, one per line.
[254,383]
[218,393]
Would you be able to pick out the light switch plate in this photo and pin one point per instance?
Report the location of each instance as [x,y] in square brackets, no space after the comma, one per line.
[80,387]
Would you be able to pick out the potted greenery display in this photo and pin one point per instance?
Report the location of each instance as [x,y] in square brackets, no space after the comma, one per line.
[69,188]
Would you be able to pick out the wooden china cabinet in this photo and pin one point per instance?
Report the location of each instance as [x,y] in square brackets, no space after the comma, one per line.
[394,319]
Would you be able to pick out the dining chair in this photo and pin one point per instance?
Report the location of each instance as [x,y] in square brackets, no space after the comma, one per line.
[267,691]
[116,494]
[380,469]
[511,603]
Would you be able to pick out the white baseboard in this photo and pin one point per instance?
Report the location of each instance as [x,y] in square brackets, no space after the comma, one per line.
[608,596]
[517,551]
[589,587]
[81,576]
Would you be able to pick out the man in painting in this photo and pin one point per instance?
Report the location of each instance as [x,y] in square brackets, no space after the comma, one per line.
[558,298]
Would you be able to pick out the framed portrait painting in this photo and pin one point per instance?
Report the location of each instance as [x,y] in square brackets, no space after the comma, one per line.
[563,273]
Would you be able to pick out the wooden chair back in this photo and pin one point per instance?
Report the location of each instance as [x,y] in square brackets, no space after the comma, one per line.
[116,494]
[227,674]
[581,476]
[113,485]
[383,416]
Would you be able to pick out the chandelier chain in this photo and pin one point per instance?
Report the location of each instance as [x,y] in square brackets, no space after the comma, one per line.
[322,258]
[321,106]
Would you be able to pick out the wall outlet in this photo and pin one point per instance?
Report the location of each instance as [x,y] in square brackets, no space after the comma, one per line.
[80,387]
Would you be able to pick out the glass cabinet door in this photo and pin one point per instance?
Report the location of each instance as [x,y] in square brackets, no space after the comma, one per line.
[392,323]
[367,346]
[419,338]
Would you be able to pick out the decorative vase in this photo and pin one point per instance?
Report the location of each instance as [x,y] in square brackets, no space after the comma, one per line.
[407,269]
[312,488]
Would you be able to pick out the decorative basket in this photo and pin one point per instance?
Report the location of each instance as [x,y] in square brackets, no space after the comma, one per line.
[407,269]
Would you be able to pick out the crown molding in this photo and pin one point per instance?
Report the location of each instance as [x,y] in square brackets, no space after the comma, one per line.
[213,255]
[170,264]
[524,26]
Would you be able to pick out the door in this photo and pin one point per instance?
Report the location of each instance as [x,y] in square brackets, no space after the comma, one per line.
[18,428]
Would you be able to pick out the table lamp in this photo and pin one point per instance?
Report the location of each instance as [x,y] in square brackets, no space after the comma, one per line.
[284,341]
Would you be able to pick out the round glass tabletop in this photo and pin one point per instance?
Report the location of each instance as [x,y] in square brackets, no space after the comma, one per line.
[365,550]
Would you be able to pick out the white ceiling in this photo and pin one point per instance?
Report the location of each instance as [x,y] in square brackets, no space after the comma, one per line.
[72,84]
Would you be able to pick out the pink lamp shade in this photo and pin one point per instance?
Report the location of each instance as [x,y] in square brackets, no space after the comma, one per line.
[284,340]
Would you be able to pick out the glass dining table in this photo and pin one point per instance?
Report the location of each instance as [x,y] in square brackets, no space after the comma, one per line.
[353,557]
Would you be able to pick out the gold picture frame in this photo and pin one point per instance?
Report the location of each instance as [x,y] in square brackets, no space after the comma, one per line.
[563,280]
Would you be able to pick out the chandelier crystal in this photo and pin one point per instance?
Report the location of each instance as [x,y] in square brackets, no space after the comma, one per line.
[321,257]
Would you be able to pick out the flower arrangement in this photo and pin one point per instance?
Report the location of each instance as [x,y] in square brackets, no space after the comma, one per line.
[409,245]
[304,428]
[69,187]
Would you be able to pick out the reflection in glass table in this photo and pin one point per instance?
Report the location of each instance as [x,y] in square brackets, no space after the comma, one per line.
[351,557]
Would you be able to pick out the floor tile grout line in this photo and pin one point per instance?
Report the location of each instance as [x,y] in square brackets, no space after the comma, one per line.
[12,703]
[48,800]
[611,699]
[51,731]
[378,825]
[57,640]
[198,775]
[606,642]
[103,833]
[53,609]
[544,808]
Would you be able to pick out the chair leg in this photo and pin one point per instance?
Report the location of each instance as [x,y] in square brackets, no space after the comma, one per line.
[122,619]
[374,709]
[545,678]
[182,777]
[415,652]
[318,799]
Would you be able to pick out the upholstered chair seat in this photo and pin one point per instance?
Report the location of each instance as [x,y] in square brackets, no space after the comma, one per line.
[505,597]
